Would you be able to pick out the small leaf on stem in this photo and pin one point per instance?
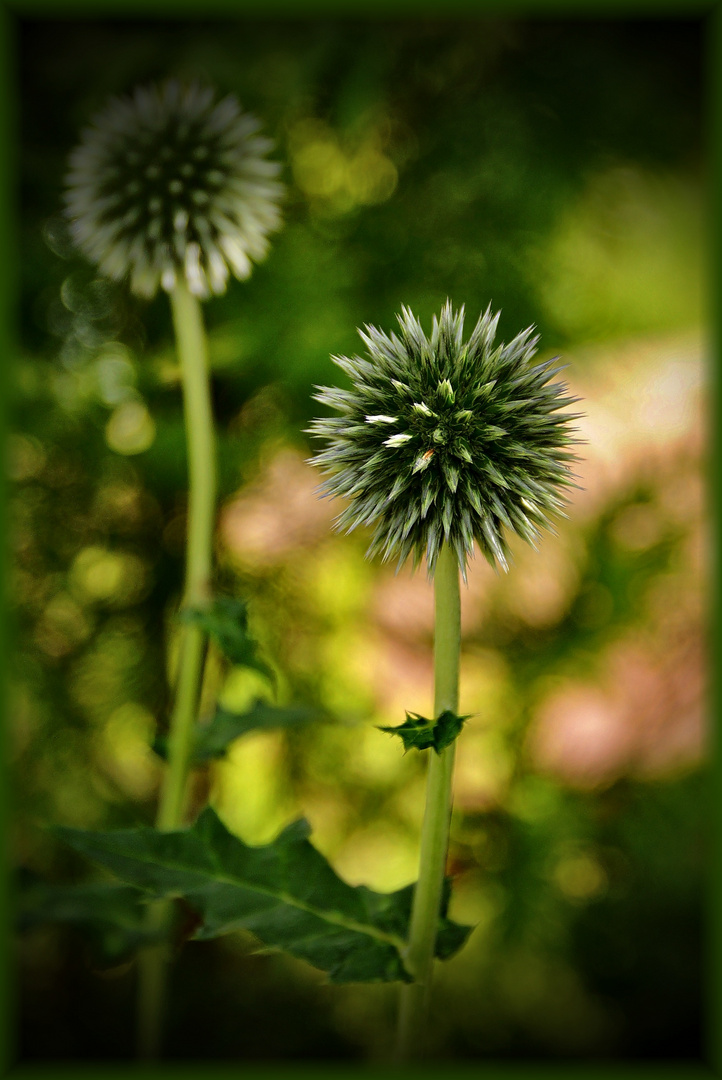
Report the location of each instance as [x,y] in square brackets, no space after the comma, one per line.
[418,733]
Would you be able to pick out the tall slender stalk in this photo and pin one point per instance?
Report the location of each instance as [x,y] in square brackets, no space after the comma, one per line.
[419,955]
[200,440]
[193,356]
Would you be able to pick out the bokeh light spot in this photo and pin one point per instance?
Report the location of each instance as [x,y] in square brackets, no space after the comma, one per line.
[101,575]
[124,748]
[130,429]
[580,877]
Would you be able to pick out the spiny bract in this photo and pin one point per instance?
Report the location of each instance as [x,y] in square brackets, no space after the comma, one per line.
[442,440]
[168,183]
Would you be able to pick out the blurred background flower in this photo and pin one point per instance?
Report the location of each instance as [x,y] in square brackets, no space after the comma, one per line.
[556,170]
[169,182]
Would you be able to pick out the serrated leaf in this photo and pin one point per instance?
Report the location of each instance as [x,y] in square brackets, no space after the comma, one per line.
[447,728]
[226,621]
[416,732]
[419,733]
[285,893]
[212,740]
[112,915]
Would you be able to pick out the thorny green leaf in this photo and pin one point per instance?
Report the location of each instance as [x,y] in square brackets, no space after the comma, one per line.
[285,893]
[418,733]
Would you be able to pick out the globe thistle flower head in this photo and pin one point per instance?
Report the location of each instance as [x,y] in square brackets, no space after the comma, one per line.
[169,183]
[442,440]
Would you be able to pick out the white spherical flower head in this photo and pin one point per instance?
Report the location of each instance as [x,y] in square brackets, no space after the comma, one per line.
[169,183]
[442,440]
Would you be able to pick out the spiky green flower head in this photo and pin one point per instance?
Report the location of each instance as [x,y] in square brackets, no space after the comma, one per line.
[170,183]
[442,440]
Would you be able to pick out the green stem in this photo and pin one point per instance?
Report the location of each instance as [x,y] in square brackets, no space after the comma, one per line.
[193,356]
[419,955]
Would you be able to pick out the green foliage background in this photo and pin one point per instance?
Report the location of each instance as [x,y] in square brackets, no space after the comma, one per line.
[555,168]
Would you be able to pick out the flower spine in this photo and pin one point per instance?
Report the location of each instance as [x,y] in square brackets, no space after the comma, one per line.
[442,440]
[168,184]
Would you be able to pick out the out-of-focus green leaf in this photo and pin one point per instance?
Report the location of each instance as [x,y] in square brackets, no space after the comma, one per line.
[419,733]
[285,893]
[226,621]
[212,740]
[112,915]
